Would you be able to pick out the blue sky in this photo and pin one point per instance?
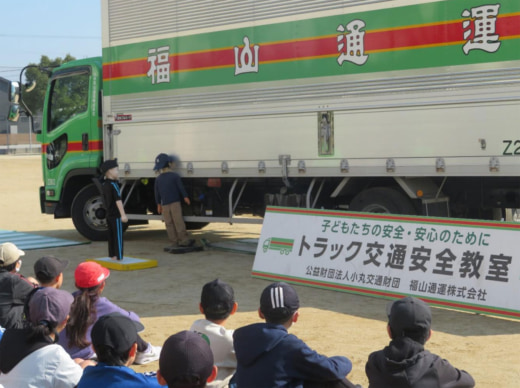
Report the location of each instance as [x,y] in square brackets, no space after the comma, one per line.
[32,28]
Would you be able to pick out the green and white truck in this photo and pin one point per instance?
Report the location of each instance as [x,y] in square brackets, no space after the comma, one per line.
[397,106]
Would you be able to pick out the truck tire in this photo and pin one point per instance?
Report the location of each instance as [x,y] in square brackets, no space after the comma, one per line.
[382,200]
[88,214]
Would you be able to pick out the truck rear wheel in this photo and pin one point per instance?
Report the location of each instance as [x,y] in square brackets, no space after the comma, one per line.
[89,214]
[382,200]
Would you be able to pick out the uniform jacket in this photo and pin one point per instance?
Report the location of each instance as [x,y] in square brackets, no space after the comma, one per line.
[111,194]
[103,307]
[268,356]
[105,376]
[169,188]
[405,363]
[14,290]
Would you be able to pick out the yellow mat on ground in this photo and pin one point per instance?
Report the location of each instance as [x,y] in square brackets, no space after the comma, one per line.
[127,264]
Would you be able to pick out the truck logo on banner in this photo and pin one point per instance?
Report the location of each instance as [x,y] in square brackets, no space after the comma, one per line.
[461,264]
[282,245]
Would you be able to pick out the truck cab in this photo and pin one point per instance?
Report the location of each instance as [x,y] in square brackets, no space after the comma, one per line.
[71,138]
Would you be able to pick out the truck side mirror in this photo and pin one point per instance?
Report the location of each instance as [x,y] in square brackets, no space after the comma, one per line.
[14,98]
[14,112]
[14,93]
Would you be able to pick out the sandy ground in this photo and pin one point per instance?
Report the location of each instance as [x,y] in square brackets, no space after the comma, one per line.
[167,297]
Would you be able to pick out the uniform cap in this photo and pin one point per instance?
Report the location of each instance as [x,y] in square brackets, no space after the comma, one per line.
[108,165]
[116,331]
[185,357]
[408,315]
[49,304]
[278,301]
[90,274]
[47,268]
[161,161]
[9,254]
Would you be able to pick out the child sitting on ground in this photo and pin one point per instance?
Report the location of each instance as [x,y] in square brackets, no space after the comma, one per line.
[186,362]
[217,303]
[88,307]
[114,338]
[15,289]
[49,271]
[268,356]
[404,363]
[29,357]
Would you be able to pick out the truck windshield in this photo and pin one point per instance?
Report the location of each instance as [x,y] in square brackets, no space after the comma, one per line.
[69,97]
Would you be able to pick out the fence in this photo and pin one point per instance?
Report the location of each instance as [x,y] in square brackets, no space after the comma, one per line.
[16,137]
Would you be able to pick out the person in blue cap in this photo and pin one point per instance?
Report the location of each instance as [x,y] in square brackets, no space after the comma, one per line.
[169,191]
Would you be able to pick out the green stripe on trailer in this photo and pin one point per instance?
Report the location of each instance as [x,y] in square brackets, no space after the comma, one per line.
[432,35]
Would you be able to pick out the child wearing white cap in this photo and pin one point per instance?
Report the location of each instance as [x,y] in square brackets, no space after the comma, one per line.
[14,288]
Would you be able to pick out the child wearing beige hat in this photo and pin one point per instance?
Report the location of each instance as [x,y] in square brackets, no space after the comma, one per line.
[14,288]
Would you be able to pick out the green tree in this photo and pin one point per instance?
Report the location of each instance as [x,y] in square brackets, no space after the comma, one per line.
[34,99]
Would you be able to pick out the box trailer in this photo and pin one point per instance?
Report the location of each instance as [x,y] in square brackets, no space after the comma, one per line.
[396,106]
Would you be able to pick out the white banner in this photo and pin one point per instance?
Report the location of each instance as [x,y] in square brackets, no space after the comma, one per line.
[462,264]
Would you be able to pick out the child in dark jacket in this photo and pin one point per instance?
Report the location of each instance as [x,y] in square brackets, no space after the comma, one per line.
[268,356]
[169,191]
[404,363]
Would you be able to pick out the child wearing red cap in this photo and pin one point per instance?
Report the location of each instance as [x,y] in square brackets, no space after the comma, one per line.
[88,307]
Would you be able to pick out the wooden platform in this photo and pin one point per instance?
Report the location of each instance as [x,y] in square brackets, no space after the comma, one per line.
[127,264]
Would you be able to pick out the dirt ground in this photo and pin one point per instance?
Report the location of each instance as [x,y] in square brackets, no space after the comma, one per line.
[166,297]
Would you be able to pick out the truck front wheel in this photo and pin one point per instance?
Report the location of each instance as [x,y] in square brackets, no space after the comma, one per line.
[89,214]
[382,200]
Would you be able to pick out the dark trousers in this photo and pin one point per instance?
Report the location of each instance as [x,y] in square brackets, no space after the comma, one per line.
[115,238]
[344,383]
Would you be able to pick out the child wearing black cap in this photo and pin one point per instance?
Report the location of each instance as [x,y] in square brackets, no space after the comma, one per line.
[114,339]
[169,191]
[115,210]
[186,362]
[404,363]
[49,271]
[268,356]
[217,303]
